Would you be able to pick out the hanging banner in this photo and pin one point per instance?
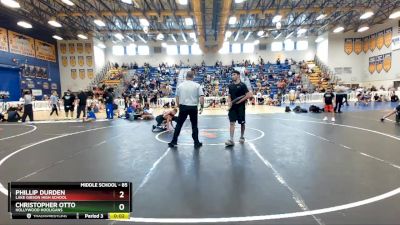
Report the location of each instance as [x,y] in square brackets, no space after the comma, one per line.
[40,72]
[81,61]
[358,45]
[379,63]
[90,73]
[348,45]
[72,61]
[82,74]
[88,48]
[3,40]
[380,40]
[45,51]
[63,48]
[79,48]
[395,43]
[74,75]
[387,62]
[64,60]
[372,42]
[366,44]
[388,37]
[71,47]
[89,61]
[45,75]
[21,44]
[371,65]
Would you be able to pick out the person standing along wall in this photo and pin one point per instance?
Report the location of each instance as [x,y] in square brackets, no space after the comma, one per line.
[54,103]
[28,109]
[82,99]
[109,100]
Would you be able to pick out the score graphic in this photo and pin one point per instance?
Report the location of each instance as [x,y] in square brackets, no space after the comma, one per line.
[70,200]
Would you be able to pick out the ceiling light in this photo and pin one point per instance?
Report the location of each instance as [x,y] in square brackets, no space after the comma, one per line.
[164,45]
[301,31]
[260,33]
[338,30]
[366,15]
[57,37]
[144,22]
[119,36]
[395,15]
[127,1]
[99,23]
[188,21]
[320,17]
[232,20]
[183,2]
[239,1]
[319,39]
[81,36]
[24,24]
[54,23]
[101,45]
[11,3]
[184,37]
[363,28]
[68,2]
[277,18]
[256,42]
[278,25]
[247,36]
[146,29]
[160,36]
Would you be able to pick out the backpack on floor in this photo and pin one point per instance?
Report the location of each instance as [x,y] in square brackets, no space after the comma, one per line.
[287,109]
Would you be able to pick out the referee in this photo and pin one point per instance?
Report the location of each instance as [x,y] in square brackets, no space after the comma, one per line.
[188,95]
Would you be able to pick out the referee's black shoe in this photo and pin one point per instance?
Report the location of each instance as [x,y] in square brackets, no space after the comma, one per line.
[198,145]
[172,144]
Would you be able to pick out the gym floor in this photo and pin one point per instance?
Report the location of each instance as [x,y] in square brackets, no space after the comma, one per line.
[293,169]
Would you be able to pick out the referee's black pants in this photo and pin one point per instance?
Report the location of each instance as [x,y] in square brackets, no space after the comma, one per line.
[185,111]
[339,101]
[28,111]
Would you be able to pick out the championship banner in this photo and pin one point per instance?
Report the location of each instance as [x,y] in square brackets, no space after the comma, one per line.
[379,63]
[21,44]
[74,75]
[71,47]
[372,42]
[82,73]
[371,67]
[388,37]
[89,61]
[88,48]
[64,60]
[348,45]
[45,51]
[79,48]
[90,73]
[63,48]
[366,44]
[358,45]
[45,75]
[3,40]
[387,62]
[380,40]
[72,61]
[81,60]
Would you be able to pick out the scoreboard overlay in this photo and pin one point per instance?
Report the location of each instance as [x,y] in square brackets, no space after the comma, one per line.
[70,200]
